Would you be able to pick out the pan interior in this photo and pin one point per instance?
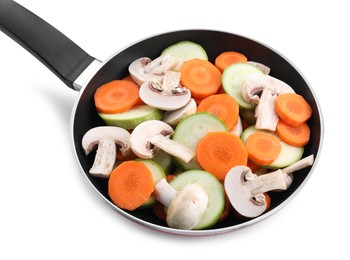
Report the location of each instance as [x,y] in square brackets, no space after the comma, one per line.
[214,43]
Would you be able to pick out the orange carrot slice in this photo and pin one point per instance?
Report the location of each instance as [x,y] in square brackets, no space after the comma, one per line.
[130,185]
[227,58]
[218,152]
[201,77]
[116,96]
[222,106]
[293,108]
[293,135]
[263,148]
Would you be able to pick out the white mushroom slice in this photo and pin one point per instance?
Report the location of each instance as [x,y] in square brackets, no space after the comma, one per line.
[174,117]
[169,95]
[108,139]
[238,128]
[153,134]
[144,69]
[245,190]
[301,164]
[186,207]
[265,69]
[268,88]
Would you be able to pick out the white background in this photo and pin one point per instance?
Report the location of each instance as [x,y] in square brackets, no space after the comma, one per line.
[49,211]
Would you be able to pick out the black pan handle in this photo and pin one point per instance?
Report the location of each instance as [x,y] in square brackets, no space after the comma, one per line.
[56,51]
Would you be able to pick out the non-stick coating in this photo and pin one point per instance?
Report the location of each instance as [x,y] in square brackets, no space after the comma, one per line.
[214,43]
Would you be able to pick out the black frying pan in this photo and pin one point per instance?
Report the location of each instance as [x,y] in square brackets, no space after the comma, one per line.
[82,72]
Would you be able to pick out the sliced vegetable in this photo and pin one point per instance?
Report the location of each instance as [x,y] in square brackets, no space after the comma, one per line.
[293,109]
[130,185]
[164,160]
[185,207]
[157,174]
[184,51]
[168,95]
[227,58]
[246,191]
[263,148]
[213,188]
[133,117]
[174,117]
[116,96]
[193,128]
[238,128]
[293,135]
[108,139]
[144,69]
[263,90]
[218,152]
[222,106]
[157,133]
[233,79]
[201,77]
[288,155]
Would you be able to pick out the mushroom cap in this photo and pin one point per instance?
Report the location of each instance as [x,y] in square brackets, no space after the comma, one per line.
[174,117]
[144,69]
[163,99]
[140,136]
[257,83]
[240,197]
[119,135]
[187,207]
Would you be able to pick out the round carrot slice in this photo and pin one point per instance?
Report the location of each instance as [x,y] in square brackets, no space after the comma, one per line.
[293,135]
[222,106]
[227,58]
[293,108]
[116,96]
[201,77]
[218,152]
[263,148]
[130,185]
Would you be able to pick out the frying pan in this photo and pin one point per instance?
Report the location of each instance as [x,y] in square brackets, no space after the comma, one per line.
[84,73]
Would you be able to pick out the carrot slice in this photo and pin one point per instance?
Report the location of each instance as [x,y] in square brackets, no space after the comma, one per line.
[227,58]
[218,152]
[116,96]
[293,135]
[130,185]
[263,148]
[222,106]
[201,77]
[293,108]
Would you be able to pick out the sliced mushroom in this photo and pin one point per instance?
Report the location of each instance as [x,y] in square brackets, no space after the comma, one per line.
[268,88]
[246,191]
[301,164]
[174,117]
[186,207]
[265,69]
[151,135]
[238,128]
[108,139]
[144,69]
[169,95]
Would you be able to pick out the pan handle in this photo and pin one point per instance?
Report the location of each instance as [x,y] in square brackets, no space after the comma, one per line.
[56,51]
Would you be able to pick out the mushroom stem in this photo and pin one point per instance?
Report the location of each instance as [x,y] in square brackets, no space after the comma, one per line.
[161,64]
[301,164]
[171,80]
[164,192]
[266,182]
[266,116]
[104,159]
[186,207]
[172,147]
